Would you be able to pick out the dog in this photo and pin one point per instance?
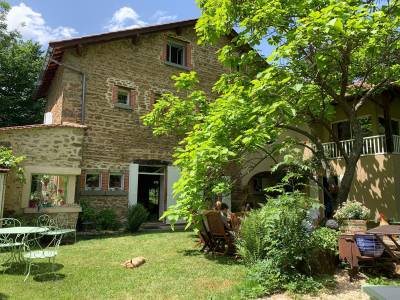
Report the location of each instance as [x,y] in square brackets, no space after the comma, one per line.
[134,262]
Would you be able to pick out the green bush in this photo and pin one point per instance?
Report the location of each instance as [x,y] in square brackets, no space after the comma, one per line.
[106,219]
[279,248]
[137,214]
[88,213]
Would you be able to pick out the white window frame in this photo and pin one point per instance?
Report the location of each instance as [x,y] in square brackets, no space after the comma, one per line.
[176,45]
[128,96]
[122,182]
[99,188]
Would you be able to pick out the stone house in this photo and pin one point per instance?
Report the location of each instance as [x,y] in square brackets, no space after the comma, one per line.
[93,145]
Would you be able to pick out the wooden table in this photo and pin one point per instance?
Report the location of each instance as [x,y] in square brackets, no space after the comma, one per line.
[392,232]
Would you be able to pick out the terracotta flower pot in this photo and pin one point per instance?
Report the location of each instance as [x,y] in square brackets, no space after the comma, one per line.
[353,226]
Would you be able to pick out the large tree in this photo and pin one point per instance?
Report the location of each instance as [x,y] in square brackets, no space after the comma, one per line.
[20,65]
[328,56]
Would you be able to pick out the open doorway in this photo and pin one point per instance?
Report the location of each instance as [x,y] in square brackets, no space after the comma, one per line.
[151,190]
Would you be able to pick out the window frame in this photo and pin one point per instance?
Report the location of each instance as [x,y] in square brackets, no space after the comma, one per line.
[122,188]
[175,44]
[128,96]
[392,119]
[100,186]
[348,121]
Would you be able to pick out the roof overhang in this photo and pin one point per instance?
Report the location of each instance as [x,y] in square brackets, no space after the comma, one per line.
[56,48]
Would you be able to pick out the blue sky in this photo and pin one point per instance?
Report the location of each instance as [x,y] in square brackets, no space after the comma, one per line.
[47,20]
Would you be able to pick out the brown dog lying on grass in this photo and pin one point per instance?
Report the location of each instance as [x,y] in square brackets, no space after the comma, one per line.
[134,262]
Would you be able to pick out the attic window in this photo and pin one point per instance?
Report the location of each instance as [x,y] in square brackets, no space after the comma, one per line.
[175,54]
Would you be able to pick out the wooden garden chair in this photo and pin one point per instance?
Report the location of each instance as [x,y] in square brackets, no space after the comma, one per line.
[221,238]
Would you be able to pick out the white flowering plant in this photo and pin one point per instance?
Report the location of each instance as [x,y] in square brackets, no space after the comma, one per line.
[352,210]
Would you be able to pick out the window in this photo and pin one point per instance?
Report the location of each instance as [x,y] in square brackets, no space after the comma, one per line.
[395,126]
[175,54]
[93,182]
[123,96]
[48,190]
[116,182]
[343,131]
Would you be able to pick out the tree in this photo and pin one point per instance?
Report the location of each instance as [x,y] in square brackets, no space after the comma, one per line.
[20,62]
[329,55]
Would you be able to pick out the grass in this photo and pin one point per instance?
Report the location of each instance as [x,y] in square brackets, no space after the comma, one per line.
[90,269]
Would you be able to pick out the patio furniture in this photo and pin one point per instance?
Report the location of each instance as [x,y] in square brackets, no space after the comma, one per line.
[7,243]
[64,225]
[367,247]
[221,239]
[204,233]
[46,221]
[14,237]
[34,249]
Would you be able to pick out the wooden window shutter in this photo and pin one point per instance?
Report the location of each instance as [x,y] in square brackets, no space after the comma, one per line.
[188,55]
[133,98]
[115,94]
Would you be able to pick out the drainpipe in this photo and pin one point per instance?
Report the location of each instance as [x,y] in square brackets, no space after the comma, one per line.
[83,80]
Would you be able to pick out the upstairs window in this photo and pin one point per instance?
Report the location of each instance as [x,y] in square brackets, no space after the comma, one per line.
[175,54]
[123,96]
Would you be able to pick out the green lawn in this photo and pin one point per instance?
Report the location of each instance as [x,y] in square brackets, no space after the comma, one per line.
[90,269]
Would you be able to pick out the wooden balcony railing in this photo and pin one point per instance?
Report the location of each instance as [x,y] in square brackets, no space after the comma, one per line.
[371,145]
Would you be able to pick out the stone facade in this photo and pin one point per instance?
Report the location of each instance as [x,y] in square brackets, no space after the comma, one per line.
[115,135]
[47,148]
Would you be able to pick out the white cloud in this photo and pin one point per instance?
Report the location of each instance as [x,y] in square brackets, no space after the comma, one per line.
[125,18]
[31,25]
[161,16]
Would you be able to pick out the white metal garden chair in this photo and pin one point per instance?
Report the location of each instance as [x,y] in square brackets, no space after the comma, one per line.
[9,243]
[36,250]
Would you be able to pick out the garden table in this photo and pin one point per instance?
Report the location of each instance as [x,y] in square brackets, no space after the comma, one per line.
[19,234]
[390,231]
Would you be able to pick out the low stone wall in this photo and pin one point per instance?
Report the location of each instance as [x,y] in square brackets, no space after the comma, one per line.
[117,203]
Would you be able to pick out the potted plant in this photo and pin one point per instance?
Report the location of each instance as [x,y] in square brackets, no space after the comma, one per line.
[352,217]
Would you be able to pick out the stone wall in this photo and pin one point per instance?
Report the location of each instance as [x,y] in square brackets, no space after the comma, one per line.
[116,136]
[44,146]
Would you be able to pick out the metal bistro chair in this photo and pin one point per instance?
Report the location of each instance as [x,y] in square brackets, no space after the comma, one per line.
[46,221]
[9,243]
[36,249]
[65,225]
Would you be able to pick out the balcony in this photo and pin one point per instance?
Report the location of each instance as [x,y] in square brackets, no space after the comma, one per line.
[371,145]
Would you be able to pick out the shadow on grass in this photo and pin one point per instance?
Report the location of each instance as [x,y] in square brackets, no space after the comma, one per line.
[3,296]
[101,236]
[37,269]
[48,277]
[217,257]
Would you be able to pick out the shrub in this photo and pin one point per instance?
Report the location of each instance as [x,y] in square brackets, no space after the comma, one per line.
[352,210]
[88,213]
[278,247]
[276,231]
[137,214]
[324,251]
[106,219]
